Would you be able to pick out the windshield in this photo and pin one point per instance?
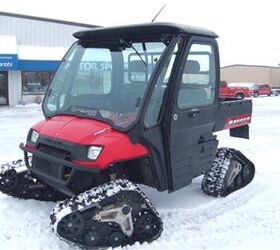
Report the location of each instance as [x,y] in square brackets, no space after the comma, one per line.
[105,81]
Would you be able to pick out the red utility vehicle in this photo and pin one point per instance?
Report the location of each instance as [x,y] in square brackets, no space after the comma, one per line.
[130,105]
[233,91]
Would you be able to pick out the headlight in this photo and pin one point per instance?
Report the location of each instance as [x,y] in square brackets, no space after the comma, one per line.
[34,136]
[93,152]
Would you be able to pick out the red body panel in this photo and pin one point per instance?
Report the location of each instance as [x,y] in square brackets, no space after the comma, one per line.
[116,145]
[227,91]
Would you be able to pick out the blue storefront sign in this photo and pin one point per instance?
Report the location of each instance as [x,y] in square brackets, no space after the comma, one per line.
[11,62]
[8,62]
[38,65]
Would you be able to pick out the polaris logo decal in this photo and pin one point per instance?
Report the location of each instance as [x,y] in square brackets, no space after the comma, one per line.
[238,121]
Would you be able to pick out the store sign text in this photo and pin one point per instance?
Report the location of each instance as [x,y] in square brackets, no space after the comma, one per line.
[8,62]
[98,66]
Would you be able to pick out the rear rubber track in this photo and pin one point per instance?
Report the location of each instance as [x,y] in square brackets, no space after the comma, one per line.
[18,182]
[230,171]
[114,214]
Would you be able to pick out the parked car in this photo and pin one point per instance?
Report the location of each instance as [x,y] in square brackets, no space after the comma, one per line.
[256,89]
[228,91]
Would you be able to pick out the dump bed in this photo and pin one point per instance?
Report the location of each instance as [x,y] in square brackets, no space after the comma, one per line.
[233,113]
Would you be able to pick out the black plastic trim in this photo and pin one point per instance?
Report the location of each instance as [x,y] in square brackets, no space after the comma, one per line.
[140,30]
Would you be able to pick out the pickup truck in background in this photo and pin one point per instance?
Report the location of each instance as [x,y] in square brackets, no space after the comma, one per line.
[256,89]
[227,91]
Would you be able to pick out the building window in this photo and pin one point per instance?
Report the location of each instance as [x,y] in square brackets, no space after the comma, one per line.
[35,83]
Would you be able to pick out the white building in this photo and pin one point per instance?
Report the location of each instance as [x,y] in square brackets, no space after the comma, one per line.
[30,51]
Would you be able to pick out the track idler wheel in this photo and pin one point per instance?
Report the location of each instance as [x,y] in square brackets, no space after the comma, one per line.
[92,239]
[116,239]
[146,226]
[71,225]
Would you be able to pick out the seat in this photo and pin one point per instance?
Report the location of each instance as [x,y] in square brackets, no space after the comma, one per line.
[191,92]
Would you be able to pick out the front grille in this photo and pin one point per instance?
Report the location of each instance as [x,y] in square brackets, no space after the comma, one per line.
[47,167]
[51,168]
[63,154]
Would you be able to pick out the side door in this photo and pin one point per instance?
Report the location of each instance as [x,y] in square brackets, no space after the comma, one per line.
[192,145]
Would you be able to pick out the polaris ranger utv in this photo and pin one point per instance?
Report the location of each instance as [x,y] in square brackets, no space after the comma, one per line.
[130,105]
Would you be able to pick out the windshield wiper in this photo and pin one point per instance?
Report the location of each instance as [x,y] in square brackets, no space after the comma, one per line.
[130,45]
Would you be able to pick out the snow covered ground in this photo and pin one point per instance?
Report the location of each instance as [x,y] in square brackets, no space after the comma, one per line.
[247,219]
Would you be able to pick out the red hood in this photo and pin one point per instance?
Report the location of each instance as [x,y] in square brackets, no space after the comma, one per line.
[74,129]
[116,145]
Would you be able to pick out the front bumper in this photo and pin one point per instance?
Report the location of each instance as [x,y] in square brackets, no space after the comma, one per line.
[78,173]
[54,159]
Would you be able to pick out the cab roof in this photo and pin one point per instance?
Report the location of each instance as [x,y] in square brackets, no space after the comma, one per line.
[141,30]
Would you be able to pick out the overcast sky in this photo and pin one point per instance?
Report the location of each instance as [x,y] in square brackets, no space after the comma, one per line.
[248,30]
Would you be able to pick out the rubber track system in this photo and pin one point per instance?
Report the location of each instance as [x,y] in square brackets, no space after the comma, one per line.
[18,182]
[114,214]
[230,171]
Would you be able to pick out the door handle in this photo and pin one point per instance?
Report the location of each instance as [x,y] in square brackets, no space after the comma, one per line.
[194,112]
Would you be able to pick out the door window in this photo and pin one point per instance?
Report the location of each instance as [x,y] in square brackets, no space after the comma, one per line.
[153,110]
[199,77]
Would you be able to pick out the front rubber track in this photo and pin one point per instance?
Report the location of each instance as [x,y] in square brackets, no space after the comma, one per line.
[81,227]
